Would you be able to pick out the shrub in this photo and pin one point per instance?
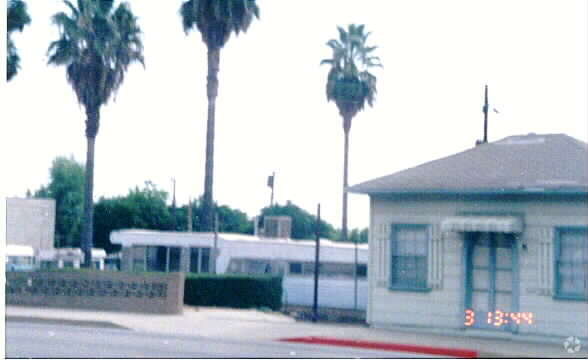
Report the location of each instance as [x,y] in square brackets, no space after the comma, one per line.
[237,291]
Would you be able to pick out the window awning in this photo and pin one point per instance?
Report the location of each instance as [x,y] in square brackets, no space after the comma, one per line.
[502,224]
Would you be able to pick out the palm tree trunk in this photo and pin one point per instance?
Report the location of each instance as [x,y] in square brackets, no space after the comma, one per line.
[88,230]
[346,129]
[212,92]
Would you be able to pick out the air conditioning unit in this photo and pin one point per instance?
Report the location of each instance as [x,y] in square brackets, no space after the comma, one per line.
[277,227]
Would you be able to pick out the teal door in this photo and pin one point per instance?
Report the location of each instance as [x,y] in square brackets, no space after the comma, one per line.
[490,265]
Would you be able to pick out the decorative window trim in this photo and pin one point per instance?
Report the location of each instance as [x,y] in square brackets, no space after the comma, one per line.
[393,230]
[557,294]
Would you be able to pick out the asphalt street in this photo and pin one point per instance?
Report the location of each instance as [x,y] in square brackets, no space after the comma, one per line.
[31,340]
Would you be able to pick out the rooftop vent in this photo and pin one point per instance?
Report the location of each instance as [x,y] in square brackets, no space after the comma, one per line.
[523,140]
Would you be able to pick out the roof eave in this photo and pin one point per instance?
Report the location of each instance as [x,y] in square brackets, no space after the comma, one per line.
[577,191]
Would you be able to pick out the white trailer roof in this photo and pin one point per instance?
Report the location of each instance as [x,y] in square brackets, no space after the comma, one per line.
[76,253]
[152,237]
[240,245]
[19,250]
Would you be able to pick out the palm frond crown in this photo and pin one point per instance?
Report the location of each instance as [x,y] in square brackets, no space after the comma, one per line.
[217,19]
[97,43]
[349,83]
[17,17]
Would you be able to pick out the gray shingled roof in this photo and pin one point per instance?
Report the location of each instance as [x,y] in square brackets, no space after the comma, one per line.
[522,163]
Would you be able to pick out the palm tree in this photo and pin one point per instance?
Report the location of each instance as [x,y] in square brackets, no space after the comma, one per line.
[216,20]
[16,19]
[350,85]
[97,44]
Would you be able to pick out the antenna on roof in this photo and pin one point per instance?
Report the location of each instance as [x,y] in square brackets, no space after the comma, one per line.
[485,111]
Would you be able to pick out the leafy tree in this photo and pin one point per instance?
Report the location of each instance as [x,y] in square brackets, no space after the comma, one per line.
[140,209]
[229,219]
[182,217]
[16,19]
[358,236]
[66,186]
[215,20]
[233,220]
[350,85]
[364,236]
[303,223]
[97,43]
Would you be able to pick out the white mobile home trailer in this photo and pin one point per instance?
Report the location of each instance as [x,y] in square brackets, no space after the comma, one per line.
[246,254]
[20,258]
[63,258]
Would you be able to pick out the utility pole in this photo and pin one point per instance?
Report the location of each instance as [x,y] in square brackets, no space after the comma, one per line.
[485,110]
[215,250]
[189,215]
[270,183]
[174,220]
[355,272]
[316,265]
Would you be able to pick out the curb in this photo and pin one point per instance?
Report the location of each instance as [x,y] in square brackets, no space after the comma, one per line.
[430,350]
[41,320]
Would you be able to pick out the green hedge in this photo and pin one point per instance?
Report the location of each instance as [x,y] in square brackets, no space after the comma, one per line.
[237,291]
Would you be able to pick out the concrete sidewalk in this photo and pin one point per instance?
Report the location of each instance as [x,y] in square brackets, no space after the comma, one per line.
[267,326]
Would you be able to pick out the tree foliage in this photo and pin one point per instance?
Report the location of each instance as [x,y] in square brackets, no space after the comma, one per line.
[97,43]
[66,186]
[217,19]
[17,17]
[141,208]
[355,235]
[349,84]
[303,222]
[229,219]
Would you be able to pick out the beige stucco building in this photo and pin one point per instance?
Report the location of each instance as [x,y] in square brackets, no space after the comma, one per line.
[488,242]
[30,222]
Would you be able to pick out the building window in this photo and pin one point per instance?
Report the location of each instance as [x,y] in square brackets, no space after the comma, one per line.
[199,260]
[162,258]
[571,262]
[362,270]
[156,258]
[138,255]
[295,268]
[255,266]
[409,257]
[328,269]
[174,258]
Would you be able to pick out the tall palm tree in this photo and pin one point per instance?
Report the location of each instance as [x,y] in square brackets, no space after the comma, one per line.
[350,85]
[16,19]
[97,44]
[216,20]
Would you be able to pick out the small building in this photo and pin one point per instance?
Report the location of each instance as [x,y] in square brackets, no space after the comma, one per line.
[30,222]
[491,241]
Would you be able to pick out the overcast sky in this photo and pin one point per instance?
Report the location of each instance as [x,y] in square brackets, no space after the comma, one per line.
[272,113]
